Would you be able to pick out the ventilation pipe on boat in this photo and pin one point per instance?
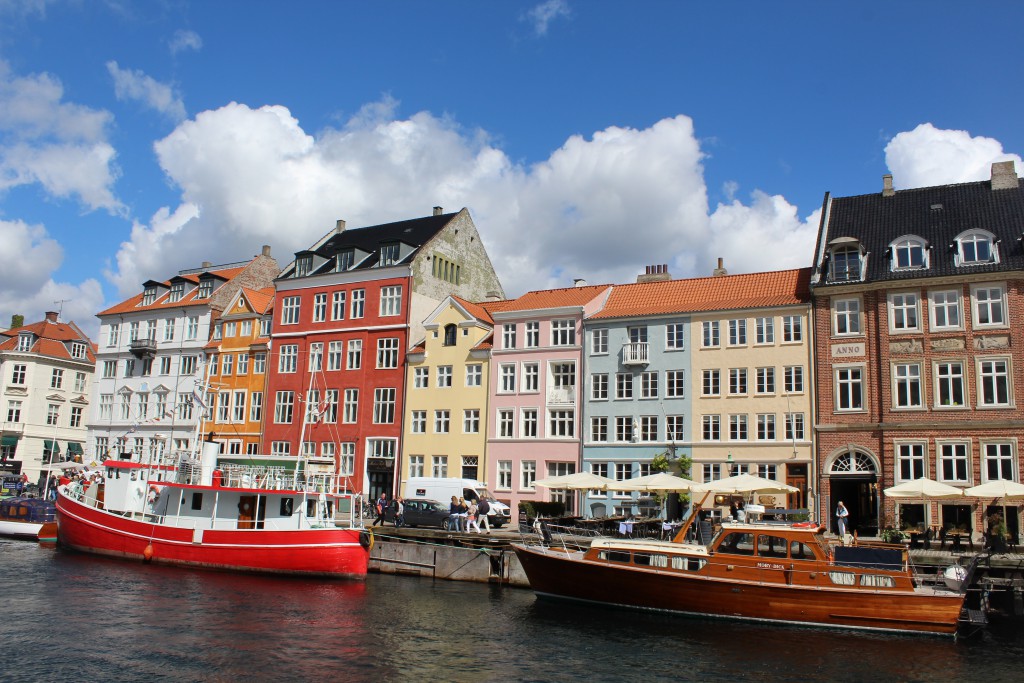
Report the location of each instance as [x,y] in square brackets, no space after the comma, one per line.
[211,449]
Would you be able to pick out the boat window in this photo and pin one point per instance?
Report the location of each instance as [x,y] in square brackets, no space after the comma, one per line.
[737,543]
[800,551]
[771,546]
[614,555]
[287,506]
[843,578]
[877,581]
[197,500]
[690,564]
[650,560]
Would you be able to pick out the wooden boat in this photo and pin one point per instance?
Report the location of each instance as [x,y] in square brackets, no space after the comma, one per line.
[762,572]
[252,518]
[22,517]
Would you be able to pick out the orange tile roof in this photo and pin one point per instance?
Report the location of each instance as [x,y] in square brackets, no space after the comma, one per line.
[134,303]
[50,338]
[261,300]
[753,290]
[475,310]
[552,298]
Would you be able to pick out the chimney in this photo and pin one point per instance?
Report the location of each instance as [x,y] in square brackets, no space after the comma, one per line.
[493,295]
[266,250]
[887,190]
[657,273]
[51,316]
[438,210]
[207,264]
[579,282]
[1004,176]
[720,270]
[339,227]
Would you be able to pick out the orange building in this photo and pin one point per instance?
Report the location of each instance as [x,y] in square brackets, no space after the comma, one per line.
[237,356]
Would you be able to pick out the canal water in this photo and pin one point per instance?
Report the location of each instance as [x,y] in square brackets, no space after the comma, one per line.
[68,616]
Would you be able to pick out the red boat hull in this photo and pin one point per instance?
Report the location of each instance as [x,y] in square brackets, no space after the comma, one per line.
[554,574]
[329,552]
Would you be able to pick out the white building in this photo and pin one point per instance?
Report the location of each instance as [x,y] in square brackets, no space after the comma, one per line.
[46,370]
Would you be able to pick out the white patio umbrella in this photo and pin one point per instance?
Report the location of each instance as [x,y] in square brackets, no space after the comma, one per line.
[578,481]
[1000,488]
[659,481]
[924,488]
[745,483]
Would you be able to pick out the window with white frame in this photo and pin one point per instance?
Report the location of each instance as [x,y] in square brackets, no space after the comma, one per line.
[347,459]
[711,427]
[845,317]
[998,461]
[737,381]
[284,407]
[508,336]
[532,334]
[674,428]
[976,247]
[845,265]
[903,312]
[350,407]
[471,421]
[906,380]
[288,361]
[280,448]
[290,310]
[531,377]
[384,405]
[792,329]
[329,412]
[599,386]
[849,388]
[354,359]
[908,253]
[416,464]
[649,384]
[561,424]
[338,305]
[989,307]
[238,405]
[506,423]
[910,463]
[675,337]
[993,382]
[114,334]
[949,384]
[259,363]
[256,406]
[192,327]
[737,332]
[766,471]
[945,310]
[358,306]
[711,471]
[765,380]
[624,428]
[335,354]
[504,474]
[320,307]
[624,385]
[648,428]
[528,473]
[599,342]
[418,422]
[530,427]
[765,330]
[954,462]
[738,427]
[169,329]
[507,378]
[794,426]
[391,300]
[563,332]
[766,427]
[439,466]
[243,364]
[563,378]
[675,384]
[710,334]
[387,353]
[599,428]
[711,384]
[316,358]
[474,375]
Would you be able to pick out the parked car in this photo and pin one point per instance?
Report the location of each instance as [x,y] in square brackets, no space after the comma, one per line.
[445,487]
[421,512]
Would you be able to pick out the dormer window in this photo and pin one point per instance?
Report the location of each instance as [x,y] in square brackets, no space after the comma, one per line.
[908,253]
[389,254]
[25,341]
[177,292]
[976,247]
[78,349]
[346,259]
[303,265]
[449,334]
[845,264]
[148,296]
[205,289]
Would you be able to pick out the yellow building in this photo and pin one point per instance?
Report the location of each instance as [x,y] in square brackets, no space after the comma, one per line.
[445,426]
[237,356]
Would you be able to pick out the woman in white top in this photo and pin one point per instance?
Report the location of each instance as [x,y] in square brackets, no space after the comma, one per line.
[472,517]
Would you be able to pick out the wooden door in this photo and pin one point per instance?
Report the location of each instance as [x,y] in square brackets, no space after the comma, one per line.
[796,475]
[247,512]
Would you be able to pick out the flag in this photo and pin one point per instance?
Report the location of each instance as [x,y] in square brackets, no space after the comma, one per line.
[198,398]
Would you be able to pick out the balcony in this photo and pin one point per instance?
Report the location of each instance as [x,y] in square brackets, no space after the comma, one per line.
[143,348]
[635,353]
[562,396]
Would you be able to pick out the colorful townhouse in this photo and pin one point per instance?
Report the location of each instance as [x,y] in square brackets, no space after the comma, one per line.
[150,359]
[536,363]
[445,429]
[46,371]
[237,362]
[751,384]
[345,313]
[917,308]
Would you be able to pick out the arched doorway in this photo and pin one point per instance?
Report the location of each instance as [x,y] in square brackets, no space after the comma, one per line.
[853,479]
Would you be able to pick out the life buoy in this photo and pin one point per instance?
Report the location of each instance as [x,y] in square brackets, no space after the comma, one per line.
[366,538]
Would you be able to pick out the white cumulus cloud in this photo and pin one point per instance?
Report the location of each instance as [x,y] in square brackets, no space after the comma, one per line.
[60,145]
[185,40]
[929,156]
[135,85]
[541,16]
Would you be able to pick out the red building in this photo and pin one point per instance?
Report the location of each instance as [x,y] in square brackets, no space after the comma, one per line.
[345,312]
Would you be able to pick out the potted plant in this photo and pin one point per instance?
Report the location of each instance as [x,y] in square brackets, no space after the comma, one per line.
[998,534]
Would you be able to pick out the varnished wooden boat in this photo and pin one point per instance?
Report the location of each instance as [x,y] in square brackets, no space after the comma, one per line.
[761,572]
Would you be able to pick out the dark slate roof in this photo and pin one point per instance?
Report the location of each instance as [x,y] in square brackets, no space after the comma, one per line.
[937,215]
[367,241]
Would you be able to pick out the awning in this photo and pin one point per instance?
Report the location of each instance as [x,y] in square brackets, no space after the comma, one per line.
[51,446]
[9,441]
[75,448]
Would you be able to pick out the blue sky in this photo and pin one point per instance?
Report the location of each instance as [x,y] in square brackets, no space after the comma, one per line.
[587,138]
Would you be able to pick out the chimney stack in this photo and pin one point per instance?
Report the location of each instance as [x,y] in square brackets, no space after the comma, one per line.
[266,250]
[207,264]
[887,190]
[579,282]
[51,316]
[339,227]
[655,273]
[438,210]
[720,270]
[1004,176]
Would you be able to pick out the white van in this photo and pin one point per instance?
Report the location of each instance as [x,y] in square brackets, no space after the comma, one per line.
[442,489]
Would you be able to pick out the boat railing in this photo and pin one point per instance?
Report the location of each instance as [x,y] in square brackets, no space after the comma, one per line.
[569,538]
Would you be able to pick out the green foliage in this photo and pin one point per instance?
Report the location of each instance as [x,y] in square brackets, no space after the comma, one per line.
[891,535]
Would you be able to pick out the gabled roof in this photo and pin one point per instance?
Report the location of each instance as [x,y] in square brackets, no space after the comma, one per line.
[937,215]
[548,298]
[717,293]
[475,310]
[51,339]
[134,304]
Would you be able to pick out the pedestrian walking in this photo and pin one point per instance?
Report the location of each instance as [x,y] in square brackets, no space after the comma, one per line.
[471,516]
[381,505]
[399,512]
[482,509]
[454,520]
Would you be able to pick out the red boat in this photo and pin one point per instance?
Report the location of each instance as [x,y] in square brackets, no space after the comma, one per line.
[241,517]
[761,572]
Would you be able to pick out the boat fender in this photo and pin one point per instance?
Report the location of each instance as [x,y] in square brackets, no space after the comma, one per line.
[147,554]
[366,539]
